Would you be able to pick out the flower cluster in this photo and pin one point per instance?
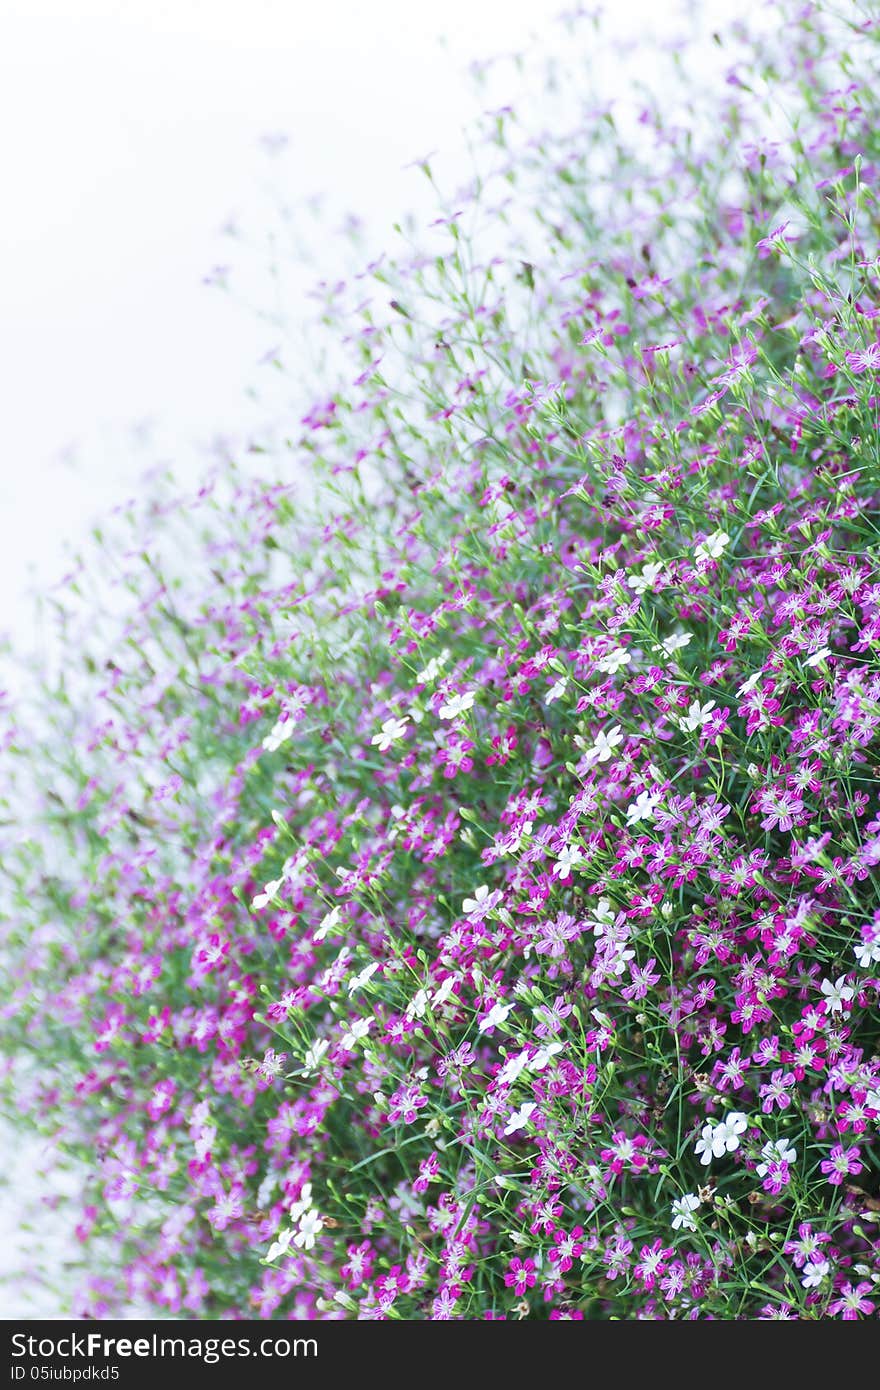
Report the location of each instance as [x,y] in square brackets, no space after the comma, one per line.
[454,895]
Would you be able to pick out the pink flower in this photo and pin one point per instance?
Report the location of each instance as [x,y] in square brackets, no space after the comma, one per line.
[865,359]
[521,1275]
[642,979]
[851,1301]
[652,1263]
[842,1163]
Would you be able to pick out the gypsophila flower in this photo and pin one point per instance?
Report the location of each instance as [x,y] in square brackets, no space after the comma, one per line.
[713,547]
[683,1209]
[816,1271]
[497,1015]
[570,857]
[279,1246]
[867,951]
[864,359]
[817,657]
[851,1302]
[456,705]
[418,1005]
[279,734]
[391,732]
[544,1056]
[775,1151]
[481,903]
[675,642]
[362,978]
[556,691]
[837,993]
[748,685]
[604,745]
[722,1138]
[520,1118]
[358,1031]
[842,1163]
[269,893]
[433,668]
[314,1056]
[614,661]
[697,717]
[329,923]
[703,1146]
[647,577]
[643,807]
[310,1227]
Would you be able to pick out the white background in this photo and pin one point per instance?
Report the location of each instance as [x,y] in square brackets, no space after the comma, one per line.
[129,135]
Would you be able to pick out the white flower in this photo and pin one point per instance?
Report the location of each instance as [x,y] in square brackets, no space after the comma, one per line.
[602,916]
[703,1146]
[295,869]
[776,1151]
[417,1005]
[267,894]
[512,1069]
[314,1056]
[814,1273]
[696,717]
[837,994]
[329,922]
[640,583]
[303,1202]
[265,1190]
[726,1136]
[713,547]
[510,843]
[443,991]
[391,731]
[279,734]
[867,953]
[495,1017]
[356,1033]
[433,668]
[558,688]
[605,744]
[471,905]
[362,978]
[683,1209]
[520,1118]
[818,656]
[722,1138]
[748,686]
[621,961]
[569,858]
[613,661]
[310,1226]
[544,1055]
[673,643]
[279,1246]
[456,705]
[643,807]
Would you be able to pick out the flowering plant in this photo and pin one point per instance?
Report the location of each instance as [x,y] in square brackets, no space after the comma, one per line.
[452,896]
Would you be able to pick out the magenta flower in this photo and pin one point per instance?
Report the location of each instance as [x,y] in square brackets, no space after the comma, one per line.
[852,1302]
[521,1275]
[841,1164]
[652,1263]
[642,978]
[865,359]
